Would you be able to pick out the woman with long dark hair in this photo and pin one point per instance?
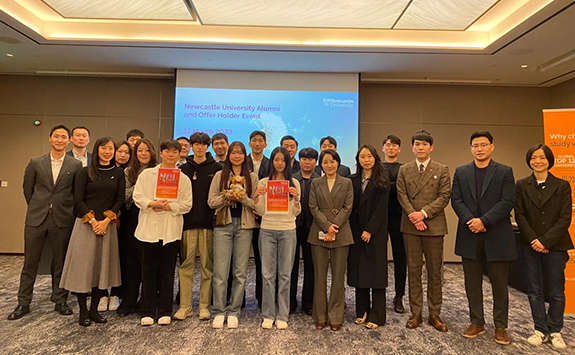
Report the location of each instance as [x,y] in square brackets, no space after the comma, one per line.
[543,210]
[123,154]
[231,193]
[92,261]
[144,157]
[367,261]
[277,242]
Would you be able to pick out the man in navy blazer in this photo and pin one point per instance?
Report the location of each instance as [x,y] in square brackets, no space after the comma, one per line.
[483,195]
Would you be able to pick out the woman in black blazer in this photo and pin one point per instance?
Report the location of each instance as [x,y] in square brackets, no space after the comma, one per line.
[367,262]
[543,213]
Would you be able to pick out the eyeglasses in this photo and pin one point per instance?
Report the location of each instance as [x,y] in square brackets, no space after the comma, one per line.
[482,145]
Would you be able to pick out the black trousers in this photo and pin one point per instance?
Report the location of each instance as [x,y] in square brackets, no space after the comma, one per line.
[130,260]
[399,261]
[258,262]
[498,273]
[375,308]
[34,240]
[307,290]
[158,268]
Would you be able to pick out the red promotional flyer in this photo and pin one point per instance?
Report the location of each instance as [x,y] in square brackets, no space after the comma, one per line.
[167,184]
[277,199]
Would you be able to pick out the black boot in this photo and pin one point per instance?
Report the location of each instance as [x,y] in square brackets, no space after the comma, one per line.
[84,319]
[93,313]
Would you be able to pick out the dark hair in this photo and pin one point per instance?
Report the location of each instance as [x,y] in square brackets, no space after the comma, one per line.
[227,169]
[379,175]
[422,135]
[135,133]
[393,139]
[330,139]
[170,144]
[135,166]
[288,138]
[217,136]
[258,133]
[287,171]
[185,138]
[119,144]
[93,172]
[309,153]
[478,134]
[333,154]
[80,127]
[201,138]
[548,154]
[60,126]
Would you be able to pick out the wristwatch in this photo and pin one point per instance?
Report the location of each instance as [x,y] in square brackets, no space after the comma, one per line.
[92,221]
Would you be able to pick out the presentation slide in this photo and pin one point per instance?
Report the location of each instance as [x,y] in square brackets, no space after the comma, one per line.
[306,115]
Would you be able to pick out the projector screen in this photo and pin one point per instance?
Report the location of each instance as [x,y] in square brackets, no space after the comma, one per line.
[307,106]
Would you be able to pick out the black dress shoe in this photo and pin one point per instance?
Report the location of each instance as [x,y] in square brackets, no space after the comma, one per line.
[398,305]
[122,312]
[19,312]
[97,318]
[308,311]
[63,309]
[84,320]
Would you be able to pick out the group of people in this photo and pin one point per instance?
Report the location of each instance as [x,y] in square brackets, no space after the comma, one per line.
[114,242]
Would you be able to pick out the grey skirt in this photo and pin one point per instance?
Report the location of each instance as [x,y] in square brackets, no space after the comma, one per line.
[91,260]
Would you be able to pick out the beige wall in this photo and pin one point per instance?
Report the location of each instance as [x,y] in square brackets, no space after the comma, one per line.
[107,106]
[112,106]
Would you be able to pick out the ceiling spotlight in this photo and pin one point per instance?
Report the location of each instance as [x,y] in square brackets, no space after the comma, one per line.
[524,66]
[9,55]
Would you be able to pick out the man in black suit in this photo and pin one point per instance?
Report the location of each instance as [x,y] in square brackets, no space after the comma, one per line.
[308,159]
[483,195]
[330,143]
[290,144]
[49,192]
[80,139]
[391,149]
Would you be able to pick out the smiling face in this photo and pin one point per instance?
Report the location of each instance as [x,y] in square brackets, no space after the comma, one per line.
[291,146]
[366,159]
[106,153]
[236,156]
[539,162]
[59,140]
[170,156]
[481,148]
[80,138]
[326,144]
[329,165]
[422,150]
[258,144]
[133,140]
[143,154]
[279,163]
[185,148]
[391,150]
[307,165]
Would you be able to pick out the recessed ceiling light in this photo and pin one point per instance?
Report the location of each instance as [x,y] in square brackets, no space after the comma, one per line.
[524,66]
[9,55]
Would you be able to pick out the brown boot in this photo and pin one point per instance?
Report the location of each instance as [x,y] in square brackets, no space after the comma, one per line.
[414,322]
[474,330]
[437,323]
[501,336]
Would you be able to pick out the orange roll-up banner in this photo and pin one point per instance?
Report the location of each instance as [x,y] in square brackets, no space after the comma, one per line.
[559,127]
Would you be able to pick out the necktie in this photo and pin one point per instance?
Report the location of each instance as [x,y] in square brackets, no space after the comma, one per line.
[421,169]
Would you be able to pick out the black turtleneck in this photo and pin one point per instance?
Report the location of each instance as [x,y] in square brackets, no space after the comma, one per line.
[104,193]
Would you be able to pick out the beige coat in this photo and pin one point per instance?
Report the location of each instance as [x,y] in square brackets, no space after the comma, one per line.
[216,201]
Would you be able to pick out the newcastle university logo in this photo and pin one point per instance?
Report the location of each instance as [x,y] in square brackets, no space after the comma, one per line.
[349,103]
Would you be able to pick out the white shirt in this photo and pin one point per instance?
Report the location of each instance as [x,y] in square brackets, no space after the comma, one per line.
[166,225]
[56,166]
[83,158]
[257,164]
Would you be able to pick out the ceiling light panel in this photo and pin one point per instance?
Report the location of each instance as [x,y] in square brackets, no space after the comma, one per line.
[122,9]
[301,13]
[443,15]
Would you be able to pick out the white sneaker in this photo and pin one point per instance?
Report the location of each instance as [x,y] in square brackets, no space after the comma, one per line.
[232,322]
[557,341]
[183,313]
[114,303]
[280,324]
[204,314]
[537,338]
[147,321]
[268,323]
[103,304]
[165,320]
[218,322]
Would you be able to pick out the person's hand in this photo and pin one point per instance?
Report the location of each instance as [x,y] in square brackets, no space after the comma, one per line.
[261,191]
[421,226]
[365,236]
[99,227]
[416,217]
[328,237]
[476,226]
[293,191]
[537,246]
[333,229]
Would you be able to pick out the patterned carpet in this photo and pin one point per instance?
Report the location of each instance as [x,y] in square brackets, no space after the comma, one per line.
[45,332]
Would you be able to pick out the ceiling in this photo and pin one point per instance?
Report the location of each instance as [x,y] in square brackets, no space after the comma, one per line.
[458,41]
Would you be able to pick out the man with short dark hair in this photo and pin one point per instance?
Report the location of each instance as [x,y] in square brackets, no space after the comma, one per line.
[308,160]
[49,192]
[290,144]
[220,146]
[391,149]
[423,190]
[185,152]
[483,196]
[80,139]
[330,143]
[133,136]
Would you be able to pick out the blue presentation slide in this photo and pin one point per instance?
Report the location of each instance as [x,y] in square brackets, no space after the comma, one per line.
[306,115]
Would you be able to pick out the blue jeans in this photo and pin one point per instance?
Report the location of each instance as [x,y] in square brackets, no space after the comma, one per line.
[546,269]
[231,242]
[277,250]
